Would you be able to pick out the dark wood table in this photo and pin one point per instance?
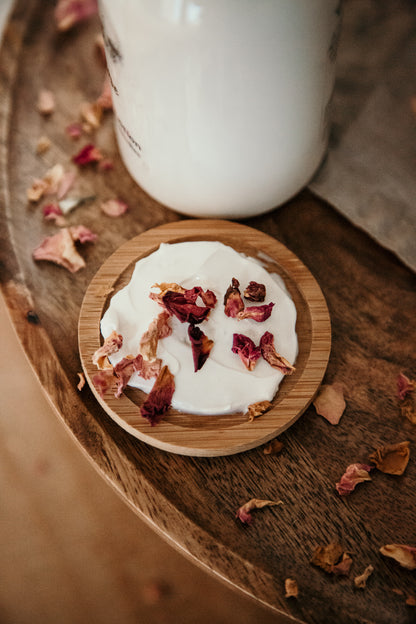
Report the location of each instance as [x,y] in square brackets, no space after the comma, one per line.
[192,501]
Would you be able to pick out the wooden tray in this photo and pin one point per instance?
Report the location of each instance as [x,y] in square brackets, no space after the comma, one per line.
[190,434]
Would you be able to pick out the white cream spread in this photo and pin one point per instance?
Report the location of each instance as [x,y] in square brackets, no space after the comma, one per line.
[223,385]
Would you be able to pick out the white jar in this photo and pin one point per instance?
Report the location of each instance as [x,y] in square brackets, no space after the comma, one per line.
[221,105]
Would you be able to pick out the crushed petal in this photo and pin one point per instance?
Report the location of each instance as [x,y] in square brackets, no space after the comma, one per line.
[61,250]
[233,302]
[247,351]
[91,113]
[159,399]
[201,346]
[332,559]
[255,292]
[354,474]
[257,409]
[329,402]
[43,145]
[391,458]
[273,448]
[74,130]
[271,356]
[82,234]
[81,382]
[360,581]
[291,588]
[244,512]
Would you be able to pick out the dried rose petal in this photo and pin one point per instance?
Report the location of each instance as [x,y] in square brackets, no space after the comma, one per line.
[332,559]
[81,382]
[145,368]
[244,512]
[103,380]
[361,580]
[105,99]
[106,164]
[69,203]
[271,356]
[159,398]
[114,207]
[201,346]
[233,302]
[51,211]
[65,183]
[411,600]
[74,130]
[404,386]
[257,409]
[392,458]
[246,350]
[355,473]
[178,305]
[61,250]
[88,154]
[112,344]
[329,402]
[257,313]
[91,113]
[208,297]
[159,328]
[82,234]
[408,409]
[70,12]
[291,588]
[46,102]
[43,145]
[273,448]
[403,554]
[48,185]
[255,292]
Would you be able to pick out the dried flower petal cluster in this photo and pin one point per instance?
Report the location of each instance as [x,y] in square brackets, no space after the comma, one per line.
[332,558]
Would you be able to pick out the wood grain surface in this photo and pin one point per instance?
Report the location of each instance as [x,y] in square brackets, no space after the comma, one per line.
[209,436]
[192,501]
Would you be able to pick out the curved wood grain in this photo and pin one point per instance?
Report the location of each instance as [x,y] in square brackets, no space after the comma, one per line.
[192,501]
[211,436]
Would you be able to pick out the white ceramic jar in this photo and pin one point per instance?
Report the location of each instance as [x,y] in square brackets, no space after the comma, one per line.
[221,105]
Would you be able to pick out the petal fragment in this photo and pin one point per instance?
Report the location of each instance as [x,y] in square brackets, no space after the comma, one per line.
[255,292]
[111,344]
[245,348]
[70,12]
[332,559]
[233,302]
[201,346]
[257,313]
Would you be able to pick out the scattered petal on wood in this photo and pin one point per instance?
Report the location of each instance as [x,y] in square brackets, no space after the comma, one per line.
[46,102]
[403,554]
[257,409]
[71,12]
[291,588]
[408,409]
[91,113]
[361,580]
[43,145]
[244,512]
[81,382]
[332,559]
[82,234]
[392,458]
[61,250]
[69,203]
[65,183]
[114,207]
[88,154]
[273,448]
[411,601]
[48,185]
[105,99]
[355,473]
[329,402]
[404,386]
[74,130]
